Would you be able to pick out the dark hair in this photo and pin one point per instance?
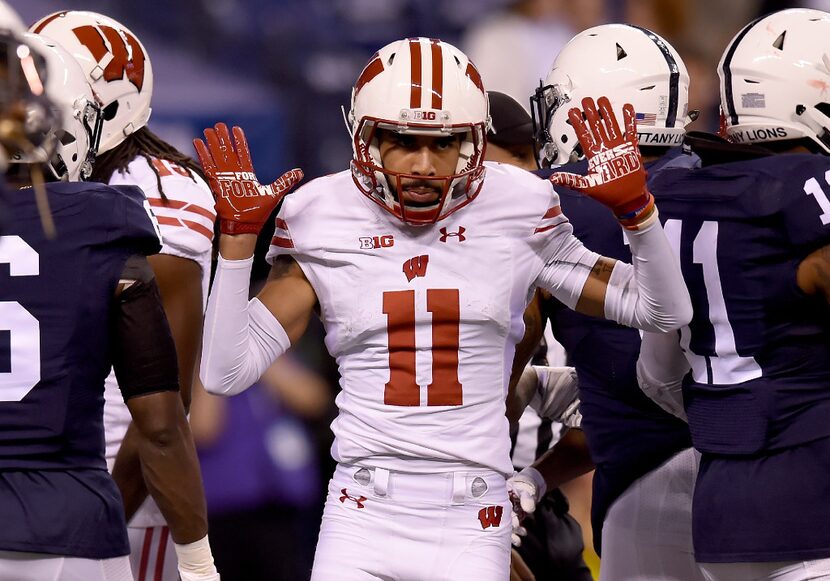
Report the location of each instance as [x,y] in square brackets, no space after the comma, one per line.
[148,145]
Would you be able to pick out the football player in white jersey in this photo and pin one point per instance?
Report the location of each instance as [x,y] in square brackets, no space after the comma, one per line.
[420,268]
[119,69]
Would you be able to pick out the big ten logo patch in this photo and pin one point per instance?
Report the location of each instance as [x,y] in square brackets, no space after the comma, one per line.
[370,242]
[490,516]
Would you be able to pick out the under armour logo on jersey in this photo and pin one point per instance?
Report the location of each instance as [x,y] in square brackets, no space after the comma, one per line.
[370,242]
[124,54]
[416,266]
[490,516]
[359,500]
[459,234]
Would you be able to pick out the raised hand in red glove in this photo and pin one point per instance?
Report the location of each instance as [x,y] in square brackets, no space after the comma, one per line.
[243,204]
[616,177]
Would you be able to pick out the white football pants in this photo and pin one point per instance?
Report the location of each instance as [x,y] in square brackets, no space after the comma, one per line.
[15,566]
[647,533]
[152,555]
[395,526]
[781,571]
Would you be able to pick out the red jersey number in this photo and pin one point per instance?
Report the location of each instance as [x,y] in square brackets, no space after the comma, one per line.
[402,389]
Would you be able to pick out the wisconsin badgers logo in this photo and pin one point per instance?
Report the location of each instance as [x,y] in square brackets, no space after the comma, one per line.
[490,516]
[124,54]
[416,266]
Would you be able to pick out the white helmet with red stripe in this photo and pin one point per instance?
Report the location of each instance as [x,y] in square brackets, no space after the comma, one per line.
[775,79]
[419,86]
[116,64]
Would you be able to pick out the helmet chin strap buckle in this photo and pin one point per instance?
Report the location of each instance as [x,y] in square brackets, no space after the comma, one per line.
[128,129]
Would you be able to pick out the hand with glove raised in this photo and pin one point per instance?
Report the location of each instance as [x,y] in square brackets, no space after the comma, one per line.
[616,177]
[243,204]
[525,490]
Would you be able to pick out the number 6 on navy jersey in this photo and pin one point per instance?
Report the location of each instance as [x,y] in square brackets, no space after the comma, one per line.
[20,369]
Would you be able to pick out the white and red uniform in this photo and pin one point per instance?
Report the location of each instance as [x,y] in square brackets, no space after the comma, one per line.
[423,323]
[186,222]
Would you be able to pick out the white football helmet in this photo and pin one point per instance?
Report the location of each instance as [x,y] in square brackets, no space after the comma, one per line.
[10,20]
[77,128]
[775,79]
[426,87]
[625,63]
[115,64]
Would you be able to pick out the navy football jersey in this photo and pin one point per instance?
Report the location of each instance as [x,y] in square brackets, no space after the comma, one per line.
[56,299]
[759,348]
[628,434]
[758,394]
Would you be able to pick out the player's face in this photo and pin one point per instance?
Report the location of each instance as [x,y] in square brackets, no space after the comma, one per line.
[419,155]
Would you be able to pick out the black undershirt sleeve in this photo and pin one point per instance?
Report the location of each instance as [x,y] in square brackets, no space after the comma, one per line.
[144,354]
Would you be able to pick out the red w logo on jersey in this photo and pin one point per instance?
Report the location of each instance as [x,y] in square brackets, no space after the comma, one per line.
[416,266]
[125,54]
[490,516]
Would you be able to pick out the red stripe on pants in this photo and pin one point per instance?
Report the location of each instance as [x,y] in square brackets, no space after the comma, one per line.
[145,554]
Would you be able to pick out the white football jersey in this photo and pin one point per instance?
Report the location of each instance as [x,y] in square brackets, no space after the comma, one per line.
[186,222]
[423,321]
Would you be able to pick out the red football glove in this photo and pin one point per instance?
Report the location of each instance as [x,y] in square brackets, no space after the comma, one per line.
[616,176]
[243,204]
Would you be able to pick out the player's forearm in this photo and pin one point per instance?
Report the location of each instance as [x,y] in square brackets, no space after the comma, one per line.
[127,473]
[661,368]
[568,459]
[237,247]
[650,293]
[171,471]
[241,338]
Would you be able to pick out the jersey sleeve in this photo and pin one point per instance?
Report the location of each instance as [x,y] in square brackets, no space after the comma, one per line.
[806,204]
[184,207]
[288,221]
[132,223]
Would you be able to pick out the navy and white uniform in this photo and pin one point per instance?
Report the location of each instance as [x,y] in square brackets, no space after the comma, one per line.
[56,496]
[645,467]
[758,394]
[628,434]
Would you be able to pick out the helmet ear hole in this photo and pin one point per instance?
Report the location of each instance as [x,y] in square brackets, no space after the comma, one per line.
[824,109]
[110,111]
[65,137]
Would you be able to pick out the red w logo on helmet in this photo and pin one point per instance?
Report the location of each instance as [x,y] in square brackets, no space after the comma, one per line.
[124,55]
